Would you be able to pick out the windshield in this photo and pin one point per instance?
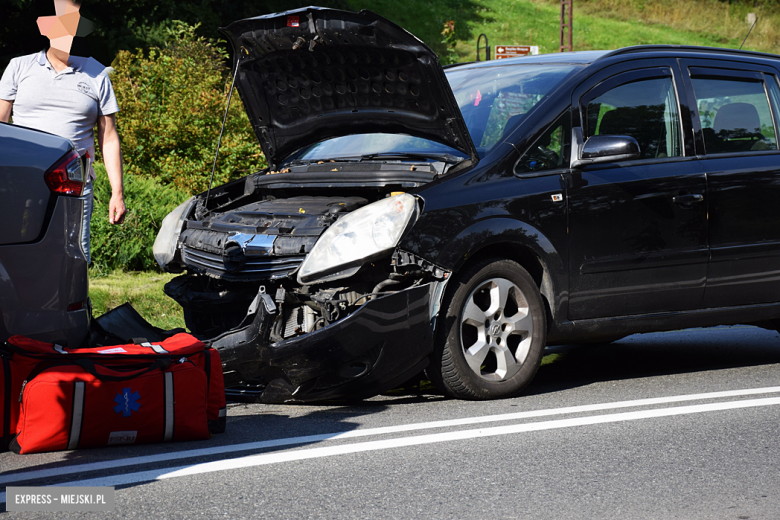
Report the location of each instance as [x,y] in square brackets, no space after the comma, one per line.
[359,145]
[493,101]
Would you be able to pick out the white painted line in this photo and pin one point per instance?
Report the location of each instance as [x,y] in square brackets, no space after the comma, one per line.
[312,453]
[21,476]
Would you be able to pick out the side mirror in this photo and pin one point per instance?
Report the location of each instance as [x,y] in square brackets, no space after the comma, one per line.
[607,148]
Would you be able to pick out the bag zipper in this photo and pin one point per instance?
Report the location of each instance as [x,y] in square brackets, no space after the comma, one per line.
[47,356]
[39,369]
[21,392]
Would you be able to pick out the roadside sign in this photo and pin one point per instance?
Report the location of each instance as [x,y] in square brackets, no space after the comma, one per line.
[515,51]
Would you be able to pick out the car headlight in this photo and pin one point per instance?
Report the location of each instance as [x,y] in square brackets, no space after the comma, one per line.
[359,237]
[164,247]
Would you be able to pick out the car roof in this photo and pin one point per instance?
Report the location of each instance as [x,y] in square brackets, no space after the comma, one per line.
[691,50]
[588,57]
[580,58]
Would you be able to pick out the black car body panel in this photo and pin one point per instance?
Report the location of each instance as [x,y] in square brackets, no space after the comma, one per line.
[669,223]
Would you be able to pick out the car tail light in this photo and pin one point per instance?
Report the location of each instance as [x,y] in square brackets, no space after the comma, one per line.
[67,176]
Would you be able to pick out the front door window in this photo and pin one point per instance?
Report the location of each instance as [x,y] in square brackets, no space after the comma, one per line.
[645,110]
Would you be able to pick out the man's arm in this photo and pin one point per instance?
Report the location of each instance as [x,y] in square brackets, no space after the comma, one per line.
[108,139]
[5,110]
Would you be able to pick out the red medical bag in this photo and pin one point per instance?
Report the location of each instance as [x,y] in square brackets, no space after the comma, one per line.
[65,373]
[80,404]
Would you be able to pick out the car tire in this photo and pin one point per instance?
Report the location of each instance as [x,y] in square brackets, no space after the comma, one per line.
[491,341]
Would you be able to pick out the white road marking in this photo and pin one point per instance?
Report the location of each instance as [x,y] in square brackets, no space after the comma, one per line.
[14,478]
[311,453]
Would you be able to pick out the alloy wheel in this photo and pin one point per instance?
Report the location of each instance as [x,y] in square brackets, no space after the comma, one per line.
[496,329]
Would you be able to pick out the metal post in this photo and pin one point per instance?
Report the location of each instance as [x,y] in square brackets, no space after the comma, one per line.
[567,25]
[487,47]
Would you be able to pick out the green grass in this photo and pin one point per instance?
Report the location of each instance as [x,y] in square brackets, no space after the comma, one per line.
[598,24]
[144,290]
[524,22]
[549,359]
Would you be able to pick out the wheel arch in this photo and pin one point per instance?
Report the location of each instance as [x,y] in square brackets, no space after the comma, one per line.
[514,240]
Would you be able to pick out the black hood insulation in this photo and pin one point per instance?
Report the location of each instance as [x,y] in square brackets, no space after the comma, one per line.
[312,74]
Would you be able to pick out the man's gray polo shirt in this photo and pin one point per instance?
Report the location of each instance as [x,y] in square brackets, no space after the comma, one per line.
[67,103]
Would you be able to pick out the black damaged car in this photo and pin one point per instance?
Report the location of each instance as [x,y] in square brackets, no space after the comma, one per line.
[458,221]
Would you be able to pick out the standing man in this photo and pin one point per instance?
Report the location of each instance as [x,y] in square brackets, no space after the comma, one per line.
[67,96]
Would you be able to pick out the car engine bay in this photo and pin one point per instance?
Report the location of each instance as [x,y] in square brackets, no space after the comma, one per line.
[252,236]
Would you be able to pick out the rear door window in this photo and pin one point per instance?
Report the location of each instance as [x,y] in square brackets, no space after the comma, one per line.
[735,114]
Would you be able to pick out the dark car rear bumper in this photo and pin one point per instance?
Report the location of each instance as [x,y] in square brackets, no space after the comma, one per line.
[384,343]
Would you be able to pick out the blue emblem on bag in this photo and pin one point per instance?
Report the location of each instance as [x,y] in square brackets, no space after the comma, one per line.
[127,402]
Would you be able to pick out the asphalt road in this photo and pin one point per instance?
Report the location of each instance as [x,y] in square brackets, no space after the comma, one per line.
[668,425]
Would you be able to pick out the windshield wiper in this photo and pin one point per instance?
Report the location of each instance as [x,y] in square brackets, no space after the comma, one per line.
[309,162]
[399,156]
[445,157]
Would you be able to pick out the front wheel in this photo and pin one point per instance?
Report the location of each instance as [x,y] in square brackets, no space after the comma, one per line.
[494,332]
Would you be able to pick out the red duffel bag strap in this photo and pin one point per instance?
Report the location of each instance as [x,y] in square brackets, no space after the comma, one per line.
[32,347]
[90,367]
[181,344]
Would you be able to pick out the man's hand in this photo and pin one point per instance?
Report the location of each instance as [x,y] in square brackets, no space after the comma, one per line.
[116,209]
[108,139]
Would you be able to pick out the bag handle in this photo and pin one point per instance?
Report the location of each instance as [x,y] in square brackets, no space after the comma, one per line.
[89,365]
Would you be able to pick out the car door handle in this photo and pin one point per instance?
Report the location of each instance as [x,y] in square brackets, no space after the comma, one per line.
[687,200]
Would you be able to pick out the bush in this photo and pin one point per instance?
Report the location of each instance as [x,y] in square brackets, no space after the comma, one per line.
[128,246]
[172,101]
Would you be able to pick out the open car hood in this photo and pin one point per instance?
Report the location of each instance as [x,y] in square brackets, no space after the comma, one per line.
[315,73]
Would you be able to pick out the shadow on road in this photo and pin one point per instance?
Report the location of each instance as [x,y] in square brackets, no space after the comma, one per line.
[637,356]
[658,354]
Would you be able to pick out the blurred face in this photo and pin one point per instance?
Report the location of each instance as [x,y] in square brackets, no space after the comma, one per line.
[62,28]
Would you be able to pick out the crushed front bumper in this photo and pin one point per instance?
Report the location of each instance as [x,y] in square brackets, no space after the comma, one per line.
[383,344]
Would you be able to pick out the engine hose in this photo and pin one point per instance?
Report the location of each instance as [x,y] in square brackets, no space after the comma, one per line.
[277,327]
[399,276]
[314,325]
[382,285]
